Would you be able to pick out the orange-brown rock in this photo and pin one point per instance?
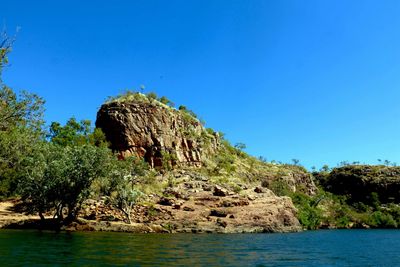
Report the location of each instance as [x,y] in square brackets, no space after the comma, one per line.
[155,132]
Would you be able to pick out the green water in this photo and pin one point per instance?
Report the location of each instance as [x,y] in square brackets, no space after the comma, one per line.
[317,248]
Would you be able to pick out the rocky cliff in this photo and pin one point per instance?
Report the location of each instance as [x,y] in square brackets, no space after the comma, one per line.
[360,181]
[145,127]
[156,132]
[227,191]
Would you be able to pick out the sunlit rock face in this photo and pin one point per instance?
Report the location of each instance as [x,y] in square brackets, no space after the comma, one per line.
[155,132]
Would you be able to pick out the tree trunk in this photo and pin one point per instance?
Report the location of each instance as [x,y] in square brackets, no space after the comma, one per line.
[127,213]
[129,218]
[41,216]
[59,213]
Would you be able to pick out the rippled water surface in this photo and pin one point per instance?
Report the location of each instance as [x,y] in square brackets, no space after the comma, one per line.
[318,248]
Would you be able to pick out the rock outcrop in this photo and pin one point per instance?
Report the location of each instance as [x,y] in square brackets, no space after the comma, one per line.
[295,178]
[193,207]
[360,181]
[155,132]
[229,198]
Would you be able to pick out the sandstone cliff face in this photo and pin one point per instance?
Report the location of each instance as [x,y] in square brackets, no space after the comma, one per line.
[156,133]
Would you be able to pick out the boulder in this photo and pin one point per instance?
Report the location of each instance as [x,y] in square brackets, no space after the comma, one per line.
[220,192]
[218,213]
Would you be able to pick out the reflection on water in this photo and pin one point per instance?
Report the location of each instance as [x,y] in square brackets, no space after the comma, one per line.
[320,248]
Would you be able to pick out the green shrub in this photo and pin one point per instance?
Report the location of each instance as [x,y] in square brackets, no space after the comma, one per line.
[125,197]
[166,101]
[280,187]
[340,216]
[152,96]
[309,215]
[168,160]
[394,211]
[224,162]
[210,131]
[382,220]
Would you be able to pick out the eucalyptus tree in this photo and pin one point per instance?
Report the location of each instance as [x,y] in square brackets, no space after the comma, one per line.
[58,179]
[21,125]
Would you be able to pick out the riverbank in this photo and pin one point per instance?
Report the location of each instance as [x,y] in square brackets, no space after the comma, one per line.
[9,215]
[255,210]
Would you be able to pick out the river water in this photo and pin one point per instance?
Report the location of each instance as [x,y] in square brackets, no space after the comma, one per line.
[312,248]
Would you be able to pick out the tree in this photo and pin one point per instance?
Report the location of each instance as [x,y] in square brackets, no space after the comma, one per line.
[33,185]
[124,176]
[313,169]
[126,197]
[58,179]
[295,162]
[73,133]
[76,133]
[21,129]
[6,43]
[262,159]
[240,146]
[238,149]
[142,87]
[325,168]
[25,110]
[15,145]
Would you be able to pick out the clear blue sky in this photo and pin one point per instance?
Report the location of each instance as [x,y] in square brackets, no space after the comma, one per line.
[316,80]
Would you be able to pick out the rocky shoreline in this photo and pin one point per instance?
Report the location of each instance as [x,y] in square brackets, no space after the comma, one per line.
[200,209]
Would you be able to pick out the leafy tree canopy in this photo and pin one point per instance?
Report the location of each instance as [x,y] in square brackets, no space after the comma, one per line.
[75,133]
[58,179]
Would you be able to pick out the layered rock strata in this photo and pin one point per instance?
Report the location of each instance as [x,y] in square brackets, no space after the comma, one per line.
[155,132]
